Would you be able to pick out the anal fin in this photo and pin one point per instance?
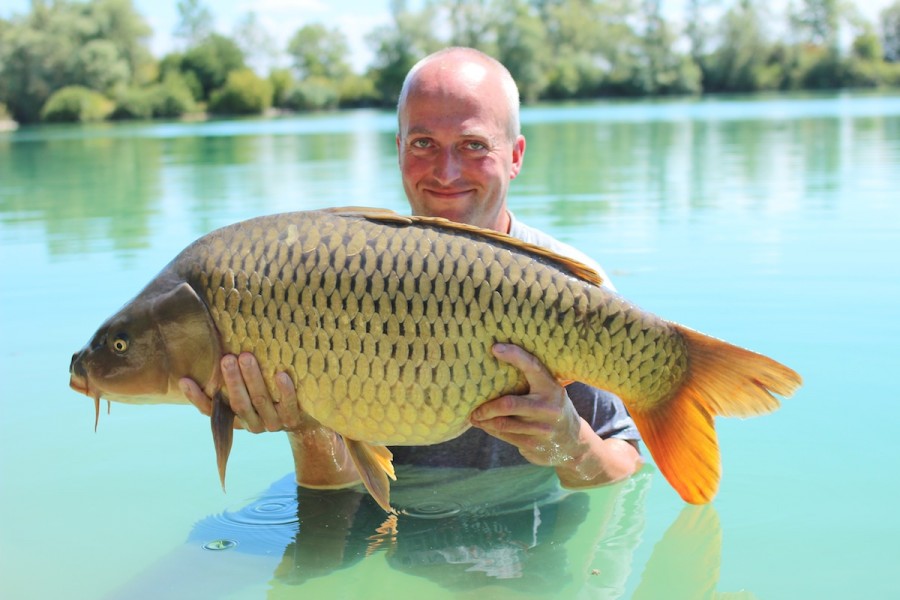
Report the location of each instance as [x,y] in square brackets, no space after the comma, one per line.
[373,463]
[222,424]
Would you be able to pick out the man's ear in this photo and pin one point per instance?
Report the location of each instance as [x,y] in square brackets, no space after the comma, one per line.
[518,156]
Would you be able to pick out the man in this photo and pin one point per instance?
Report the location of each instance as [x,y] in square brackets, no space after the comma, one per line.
[459,147]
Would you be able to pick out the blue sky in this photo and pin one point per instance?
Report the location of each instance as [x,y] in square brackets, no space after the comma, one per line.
[282,18]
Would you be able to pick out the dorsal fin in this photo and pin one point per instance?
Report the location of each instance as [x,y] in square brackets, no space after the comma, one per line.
[383,215]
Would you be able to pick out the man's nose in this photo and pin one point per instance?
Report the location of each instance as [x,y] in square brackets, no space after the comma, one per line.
[447,166]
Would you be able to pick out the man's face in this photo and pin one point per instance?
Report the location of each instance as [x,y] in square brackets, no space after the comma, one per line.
[456,157]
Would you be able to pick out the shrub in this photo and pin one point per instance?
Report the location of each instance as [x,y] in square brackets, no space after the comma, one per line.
[244,93]
[356,91]
[135,103]
[168,99]
[891,72]
[313,93]
[282,81]
[173,97]
[76,104]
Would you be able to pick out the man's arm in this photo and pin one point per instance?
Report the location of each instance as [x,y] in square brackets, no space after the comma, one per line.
[544,425]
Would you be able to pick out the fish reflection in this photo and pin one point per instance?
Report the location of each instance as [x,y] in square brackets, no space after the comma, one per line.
[511,531]
[685,563]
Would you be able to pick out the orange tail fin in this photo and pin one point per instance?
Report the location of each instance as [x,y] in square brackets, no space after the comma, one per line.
[722,380]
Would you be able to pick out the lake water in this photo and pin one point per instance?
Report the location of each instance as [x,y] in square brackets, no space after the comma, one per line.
[772,222]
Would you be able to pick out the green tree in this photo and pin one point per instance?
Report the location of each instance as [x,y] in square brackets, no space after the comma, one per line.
[282,81]
[521,47]
[472,24]
[663,70]
[100,44]
[742,63]
[889,24]
[99,65]
[574,33]
[259,47]
[867,47]
[317,51]
[697,29]
[211,61]
[119,23]
[195,22]
[398,46]
[244,93]
[818,22]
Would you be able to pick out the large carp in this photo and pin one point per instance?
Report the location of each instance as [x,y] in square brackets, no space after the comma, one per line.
[385,323]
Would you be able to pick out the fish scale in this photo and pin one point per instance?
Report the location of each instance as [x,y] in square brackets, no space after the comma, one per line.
[385,325]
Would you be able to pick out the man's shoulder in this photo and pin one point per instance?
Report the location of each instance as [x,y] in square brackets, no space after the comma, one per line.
[532,235]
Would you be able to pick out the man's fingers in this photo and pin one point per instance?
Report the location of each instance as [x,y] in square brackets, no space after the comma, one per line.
[258,392]
[531,407]
[504,426]
[285,387]
[540,380]
[195,395]
[288,407]
[238,396]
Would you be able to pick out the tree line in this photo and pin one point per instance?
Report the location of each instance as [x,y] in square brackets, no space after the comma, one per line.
[67,60]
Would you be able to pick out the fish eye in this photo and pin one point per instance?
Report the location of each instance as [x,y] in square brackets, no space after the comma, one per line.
[120,343]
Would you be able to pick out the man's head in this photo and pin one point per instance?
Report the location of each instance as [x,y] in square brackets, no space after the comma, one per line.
[459,143]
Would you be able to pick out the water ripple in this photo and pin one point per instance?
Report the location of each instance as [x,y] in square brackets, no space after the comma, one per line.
[433,509]
[270,510]
[265,526]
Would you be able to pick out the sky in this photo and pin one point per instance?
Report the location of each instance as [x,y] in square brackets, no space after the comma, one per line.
[282,18]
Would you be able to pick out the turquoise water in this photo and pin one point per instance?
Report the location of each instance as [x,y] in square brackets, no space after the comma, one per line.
[771,222]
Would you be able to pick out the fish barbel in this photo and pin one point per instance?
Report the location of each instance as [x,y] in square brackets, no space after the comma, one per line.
[384,323]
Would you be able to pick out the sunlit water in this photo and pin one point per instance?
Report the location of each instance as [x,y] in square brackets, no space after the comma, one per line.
[772,222]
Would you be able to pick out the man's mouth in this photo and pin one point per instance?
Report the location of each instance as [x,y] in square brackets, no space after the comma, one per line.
[448,194]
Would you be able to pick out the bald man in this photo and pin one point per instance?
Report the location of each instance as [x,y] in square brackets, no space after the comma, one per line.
[459,146]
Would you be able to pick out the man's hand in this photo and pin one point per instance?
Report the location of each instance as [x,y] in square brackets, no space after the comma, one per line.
[544,425]
[321,459]
[249,398]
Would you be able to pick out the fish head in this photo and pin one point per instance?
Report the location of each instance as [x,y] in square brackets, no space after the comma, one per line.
[138,355]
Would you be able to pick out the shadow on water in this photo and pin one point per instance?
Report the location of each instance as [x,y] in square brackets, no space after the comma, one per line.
[513,531]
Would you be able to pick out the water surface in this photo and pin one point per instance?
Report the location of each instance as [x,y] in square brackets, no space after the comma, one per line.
[771,222]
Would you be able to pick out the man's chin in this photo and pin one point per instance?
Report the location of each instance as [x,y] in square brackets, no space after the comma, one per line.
[453,209]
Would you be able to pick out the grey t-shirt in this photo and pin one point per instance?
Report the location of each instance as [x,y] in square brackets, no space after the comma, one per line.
[476,449]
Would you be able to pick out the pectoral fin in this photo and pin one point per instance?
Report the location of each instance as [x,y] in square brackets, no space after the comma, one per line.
[222,423]
[374,466]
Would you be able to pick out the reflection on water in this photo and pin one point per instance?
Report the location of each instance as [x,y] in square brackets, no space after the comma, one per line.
[520,545]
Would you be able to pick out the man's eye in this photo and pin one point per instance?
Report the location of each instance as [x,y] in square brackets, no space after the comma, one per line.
[477,146]
[421,143]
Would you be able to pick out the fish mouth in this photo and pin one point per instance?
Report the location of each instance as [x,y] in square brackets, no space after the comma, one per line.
[80,384]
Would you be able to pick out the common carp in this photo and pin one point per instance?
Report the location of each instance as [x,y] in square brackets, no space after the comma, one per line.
[385,323]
